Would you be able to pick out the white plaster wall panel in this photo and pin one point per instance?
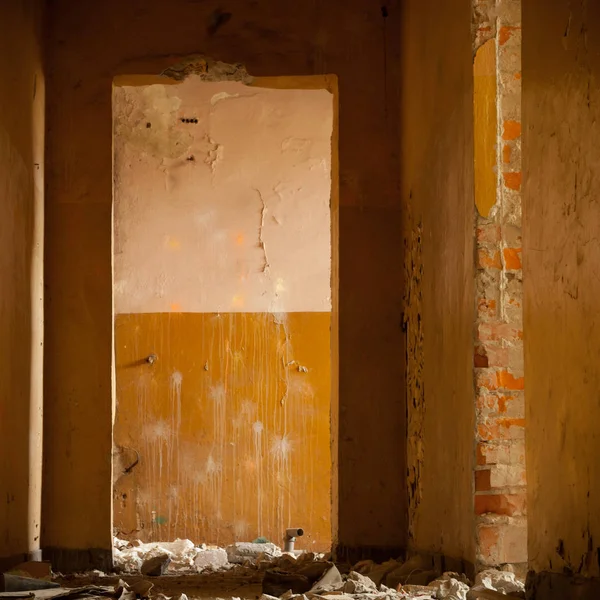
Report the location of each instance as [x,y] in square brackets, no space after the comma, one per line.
[229,214]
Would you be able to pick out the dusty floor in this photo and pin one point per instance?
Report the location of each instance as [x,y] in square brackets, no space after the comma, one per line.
[206,586]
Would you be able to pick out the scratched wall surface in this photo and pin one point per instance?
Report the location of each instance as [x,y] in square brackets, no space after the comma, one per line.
[222,270]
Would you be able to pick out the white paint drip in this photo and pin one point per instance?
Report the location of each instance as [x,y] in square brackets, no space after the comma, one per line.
[257,428]
[281,448]
[173,447]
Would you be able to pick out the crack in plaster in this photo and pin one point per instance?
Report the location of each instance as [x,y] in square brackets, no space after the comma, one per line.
[261,242]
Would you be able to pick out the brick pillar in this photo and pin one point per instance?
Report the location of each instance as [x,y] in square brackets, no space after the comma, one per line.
[499,478]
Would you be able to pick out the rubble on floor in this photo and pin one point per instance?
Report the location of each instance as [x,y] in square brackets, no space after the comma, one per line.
[393,580]
[311,576]
[184,556]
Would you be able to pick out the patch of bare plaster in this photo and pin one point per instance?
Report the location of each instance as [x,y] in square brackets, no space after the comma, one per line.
[148,121]
[413,326]
[207,69]
[483,22]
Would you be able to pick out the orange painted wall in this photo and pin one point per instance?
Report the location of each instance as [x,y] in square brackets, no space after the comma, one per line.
[233,435]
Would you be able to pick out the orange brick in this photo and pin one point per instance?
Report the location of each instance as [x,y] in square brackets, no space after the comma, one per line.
[486,308]
[506,153]
[497,356]
[501,379]
[483,481]
[489,260]
[480,361]
[512,259]
[489,233]
[499,331]
[500,403]
[501,504]
[504,34]
[513,181]
[508,381]
[512,130]
[501,452]
[488,541]
[485,401]
[501,429]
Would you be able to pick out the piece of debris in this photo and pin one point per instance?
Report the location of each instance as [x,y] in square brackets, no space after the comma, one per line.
[16,583]
[128,557]
[32,568]
[331,581]
[277,583]
[500,581]
[211,559]
[360,586]
[240,552]
[449,587]
[154,567]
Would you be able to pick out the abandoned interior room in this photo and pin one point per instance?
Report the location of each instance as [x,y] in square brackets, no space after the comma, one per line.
[297,299]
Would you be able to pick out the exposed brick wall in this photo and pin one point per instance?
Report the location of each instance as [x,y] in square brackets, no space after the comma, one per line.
[500,478]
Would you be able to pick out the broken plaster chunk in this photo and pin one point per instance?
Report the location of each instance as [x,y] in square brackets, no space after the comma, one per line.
[448,588]
[154,567]
[211,558]
[330,581]
[500,581]
[359,584]
[242,551]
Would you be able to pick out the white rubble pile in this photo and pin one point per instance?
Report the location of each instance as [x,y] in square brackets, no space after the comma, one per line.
[184,555]
[490,584]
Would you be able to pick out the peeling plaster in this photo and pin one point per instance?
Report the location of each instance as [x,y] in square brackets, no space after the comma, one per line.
[207,69]
[413,326]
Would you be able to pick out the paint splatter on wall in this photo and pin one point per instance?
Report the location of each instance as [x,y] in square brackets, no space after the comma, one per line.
[222,271]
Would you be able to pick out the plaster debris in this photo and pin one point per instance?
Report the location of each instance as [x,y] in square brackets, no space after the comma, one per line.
[183,555]
[240,552]
[312,576]
[449,587]
[356,586]
[501,581]
[413,578]
[211,558]
[153,567]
